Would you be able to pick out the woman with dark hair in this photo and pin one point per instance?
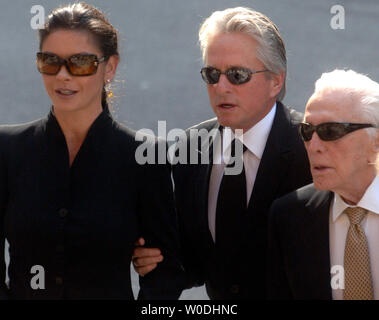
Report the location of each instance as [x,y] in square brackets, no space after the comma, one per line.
[73,199]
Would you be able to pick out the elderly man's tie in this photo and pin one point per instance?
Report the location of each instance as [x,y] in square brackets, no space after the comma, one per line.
[358,281]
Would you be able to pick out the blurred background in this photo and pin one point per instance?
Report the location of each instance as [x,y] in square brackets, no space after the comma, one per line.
[158,75]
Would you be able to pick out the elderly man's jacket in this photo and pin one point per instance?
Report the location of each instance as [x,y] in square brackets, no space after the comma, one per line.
[298,254]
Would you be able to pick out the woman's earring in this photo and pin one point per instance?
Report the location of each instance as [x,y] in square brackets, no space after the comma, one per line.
[109,91]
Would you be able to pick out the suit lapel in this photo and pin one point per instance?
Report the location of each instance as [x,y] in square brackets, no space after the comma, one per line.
[274,162]
[202,184]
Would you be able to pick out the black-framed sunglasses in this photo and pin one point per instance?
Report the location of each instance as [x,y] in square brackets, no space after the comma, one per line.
[81,64]
[329,131]
[235,75]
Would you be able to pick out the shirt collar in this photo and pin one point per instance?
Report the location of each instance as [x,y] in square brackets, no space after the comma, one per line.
[369,200]
[256,137]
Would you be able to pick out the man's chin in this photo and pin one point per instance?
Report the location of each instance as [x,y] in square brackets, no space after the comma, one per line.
[229,124]
[224,122]
[320,185]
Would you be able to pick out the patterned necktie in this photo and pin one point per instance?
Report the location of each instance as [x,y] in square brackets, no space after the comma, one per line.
[358,282]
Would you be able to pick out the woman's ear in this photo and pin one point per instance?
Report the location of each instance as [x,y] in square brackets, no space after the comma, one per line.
[110,68]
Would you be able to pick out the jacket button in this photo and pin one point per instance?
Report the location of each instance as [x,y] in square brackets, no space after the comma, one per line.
[235,288]
[59,281]
[63,212]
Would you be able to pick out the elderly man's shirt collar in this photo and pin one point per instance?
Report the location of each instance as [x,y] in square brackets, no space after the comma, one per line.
[369,201]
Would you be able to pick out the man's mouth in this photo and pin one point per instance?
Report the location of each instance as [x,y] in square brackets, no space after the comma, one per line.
[226,106]
[320,168]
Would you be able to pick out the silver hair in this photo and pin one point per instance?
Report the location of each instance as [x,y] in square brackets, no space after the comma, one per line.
[271,50]
[365,90]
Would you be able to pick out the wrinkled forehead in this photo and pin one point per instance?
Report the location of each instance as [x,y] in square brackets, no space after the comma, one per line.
[333,106]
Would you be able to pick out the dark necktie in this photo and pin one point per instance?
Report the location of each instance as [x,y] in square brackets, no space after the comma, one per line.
[231,206]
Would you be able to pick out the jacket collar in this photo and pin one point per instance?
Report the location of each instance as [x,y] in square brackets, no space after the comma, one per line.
[275,160]
[55,134]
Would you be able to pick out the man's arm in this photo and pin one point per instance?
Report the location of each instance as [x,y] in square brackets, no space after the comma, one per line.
[147,258]
[158,228]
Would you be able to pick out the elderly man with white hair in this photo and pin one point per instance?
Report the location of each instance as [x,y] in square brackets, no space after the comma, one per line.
[324,238]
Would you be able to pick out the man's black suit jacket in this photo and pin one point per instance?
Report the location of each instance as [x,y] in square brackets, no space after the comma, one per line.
[298,253]
[283,168]
[80,223]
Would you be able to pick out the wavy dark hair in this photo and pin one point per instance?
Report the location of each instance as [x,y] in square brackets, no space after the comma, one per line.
[83,17]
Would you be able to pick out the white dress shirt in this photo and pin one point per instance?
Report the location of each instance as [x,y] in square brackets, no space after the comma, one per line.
[339,224]
[255,140]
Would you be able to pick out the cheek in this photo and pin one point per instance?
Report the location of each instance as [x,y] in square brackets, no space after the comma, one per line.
[47,81]
[91,84]
[253,97]
[211,95]
[49,85]
[347,164]
[359,153]
[210,90]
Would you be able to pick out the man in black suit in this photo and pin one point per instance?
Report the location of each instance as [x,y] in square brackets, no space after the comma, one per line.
[223,219]
[323,238]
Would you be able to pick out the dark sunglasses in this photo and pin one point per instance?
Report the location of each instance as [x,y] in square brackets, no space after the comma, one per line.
[236,75]
[330,131]
[81,64]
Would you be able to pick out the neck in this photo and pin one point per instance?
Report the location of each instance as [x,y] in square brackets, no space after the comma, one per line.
[75,124]
[353,196]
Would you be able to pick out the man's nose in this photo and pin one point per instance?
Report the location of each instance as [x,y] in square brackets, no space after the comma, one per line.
[223,85]
[315,144]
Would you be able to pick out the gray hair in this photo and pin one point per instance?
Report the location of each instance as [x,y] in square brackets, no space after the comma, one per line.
[271,50]
[365,90]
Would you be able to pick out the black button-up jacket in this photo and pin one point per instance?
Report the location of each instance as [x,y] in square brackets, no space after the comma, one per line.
[79,224]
